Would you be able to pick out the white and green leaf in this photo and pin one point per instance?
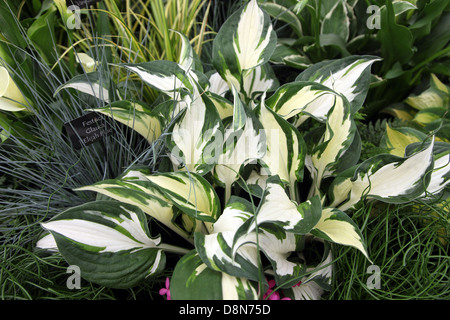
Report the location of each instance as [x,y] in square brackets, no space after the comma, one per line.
[89,83]
[325,157]
[286,148]
[135,115]
[348,76]
[386,178]
[110,242]
[217,249]
[192,279]
[336,226]
[196,137]
[303,99]
[253,41]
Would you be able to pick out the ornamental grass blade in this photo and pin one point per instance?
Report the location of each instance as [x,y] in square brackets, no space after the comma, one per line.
[109,241]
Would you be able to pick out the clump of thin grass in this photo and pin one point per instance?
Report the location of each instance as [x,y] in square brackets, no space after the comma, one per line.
[411,253]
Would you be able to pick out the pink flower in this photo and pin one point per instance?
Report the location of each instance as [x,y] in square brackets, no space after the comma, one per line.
[271,295]
[166,291]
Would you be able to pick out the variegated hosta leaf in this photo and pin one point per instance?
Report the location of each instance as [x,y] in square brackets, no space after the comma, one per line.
[336,21]
[337,227]
[217,85]
[440,176]
[223,106]
[397,139]
[195,139]
[140,193]
[278,247]
[384,177]
[242,146]
[245,41]
[188,191]
[437,95]
[286,148]
[110,242]
[235,251]
[194,280]
[259,80]
[314,285]
[348,76]
[338,137]
[302,98]
[136,116]
[89,83]
[217,248]
[277,208]
[165,76]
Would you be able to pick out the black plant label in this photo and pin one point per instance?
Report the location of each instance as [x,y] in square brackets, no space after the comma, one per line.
[87,129]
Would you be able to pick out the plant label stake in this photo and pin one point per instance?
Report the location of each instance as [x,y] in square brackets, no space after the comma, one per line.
[87,129]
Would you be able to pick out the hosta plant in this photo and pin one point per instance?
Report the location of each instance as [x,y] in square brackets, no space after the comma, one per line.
[262,178]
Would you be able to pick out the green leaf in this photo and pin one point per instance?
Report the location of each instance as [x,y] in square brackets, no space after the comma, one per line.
[196,137]
[339,134]
[396,40]
[42,35]
[384,177]
[348,76]
[280,12]
[89,83]
[135,115]
[286,148]
[109,241]
[193,280]
[335,226]
[336,21]
[245,41]
[217,249]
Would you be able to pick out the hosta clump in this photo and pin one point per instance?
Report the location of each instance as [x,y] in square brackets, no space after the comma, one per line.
[250,142]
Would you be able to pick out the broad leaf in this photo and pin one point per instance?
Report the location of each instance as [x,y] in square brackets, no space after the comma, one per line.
[339,134]
[109,241]
[245,41]
[384,177]
[89,83]
[136,116]
[348,76]
[217,249]
[305,98]
[277,208]
[193,280]
[195,139]
[335,226]
[285,148]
